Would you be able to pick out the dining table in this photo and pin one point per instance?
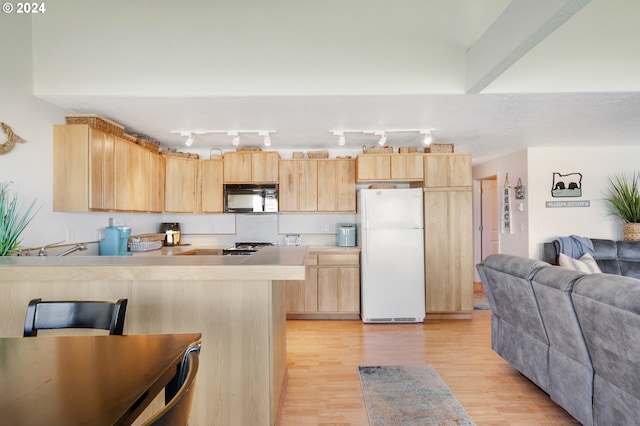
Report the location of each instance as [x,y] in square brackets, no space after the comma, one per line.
[86,379]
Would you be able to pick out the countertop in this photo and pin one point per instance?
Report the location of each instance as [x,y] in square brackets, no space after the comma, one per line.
[278,262]
[177,250]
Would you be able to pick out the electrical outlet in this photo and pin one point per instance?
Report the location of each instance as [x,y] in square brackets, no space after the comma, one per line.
[116,221]
[325,228]
[71,235]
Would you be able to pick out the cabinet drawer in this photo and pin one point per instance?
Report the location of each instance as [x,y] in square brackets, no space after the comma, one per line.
[338,259]
[312,259]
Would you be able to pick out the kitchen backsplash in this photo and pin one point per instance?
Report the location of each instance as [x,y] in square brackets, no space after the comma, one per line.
[217,230]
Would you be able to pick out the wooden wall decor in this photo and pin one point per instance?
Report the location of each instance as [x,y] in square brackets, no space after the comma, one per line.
[11,141]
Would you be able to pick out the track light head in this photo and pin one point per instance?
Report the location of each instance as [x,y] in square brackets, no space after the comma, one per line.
[189,140]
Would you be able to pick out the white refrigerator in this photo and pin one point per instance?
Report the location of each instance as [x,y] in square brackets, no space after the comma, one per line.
[390,228]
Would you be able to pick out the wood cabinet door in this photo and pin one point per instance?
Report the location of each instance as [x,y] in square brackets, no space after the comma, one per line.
[328,285]
[132,191]
[460,172]
[288,185]
[211,186]
[237,167]
[310,290]
[436,170]
[373,167]
[346,185]
[308,185]
[156,183]
[448,250]
[264,167]
[327,186]
[101,170]
[122,154]
[407,167]
[180,185]
[447,170]
[349,291]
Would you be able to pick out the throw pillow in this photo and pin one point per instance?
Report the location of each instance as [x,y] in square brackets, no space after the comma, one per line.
[586,263]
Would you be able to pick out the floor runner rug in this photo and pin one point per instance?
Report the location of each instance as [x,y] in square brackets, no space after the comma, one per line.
[409,395]
[480,302]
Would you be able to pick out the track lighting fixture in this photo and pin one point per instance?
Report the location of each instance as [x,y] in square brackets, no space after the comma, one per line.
[427,137]
[190,134]
[189,140]
[236,138]
[382,134]
[267,138]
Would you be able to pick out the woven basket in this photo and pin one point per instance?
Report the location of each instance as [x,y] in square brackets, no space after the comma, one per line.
[440,148]
[143,238]
[129,137]
[96,122]
[631,231]
[149,145]
[249,148]
[317,154]
[297,154]
[408,150]
[378,150]
[169,153]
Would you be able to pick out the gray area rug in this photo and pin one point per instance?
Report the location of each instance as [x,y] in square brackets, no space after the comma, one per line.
[480,302]
[409,395]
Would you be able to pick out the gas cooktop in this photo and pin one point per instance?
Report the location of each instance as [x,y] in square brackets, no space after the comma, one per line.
[245,248]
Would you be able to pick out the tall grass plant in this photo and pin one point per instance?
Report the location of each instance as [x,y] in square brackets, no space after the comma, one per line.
[13,220]
[624,197]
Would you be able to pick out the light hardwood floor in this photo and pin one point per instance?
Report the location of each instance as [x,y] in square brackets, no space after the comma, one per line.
[324,388]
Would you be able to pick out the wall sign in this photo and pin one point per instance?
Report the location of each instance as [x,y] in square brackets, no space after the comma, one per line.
[555,204]
[569,185]
[506,225]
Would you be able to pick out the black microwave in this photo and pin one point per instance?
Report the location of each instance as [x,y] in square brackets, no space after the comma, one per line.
[248,198]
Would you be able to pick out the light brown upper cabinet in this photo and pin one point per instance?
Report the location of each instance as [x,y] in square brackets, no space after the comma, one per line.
[298,185]
[251,167]
[447,170]
[83,169]
[389,167]
[317,185]
[156,183]
[97,171]
[181,181]
[337,185]
[211,186]
[132,184]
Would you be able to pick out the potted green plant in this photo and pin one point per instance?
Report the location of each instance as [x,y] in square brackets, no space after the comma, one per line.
[12,219]
[624,198]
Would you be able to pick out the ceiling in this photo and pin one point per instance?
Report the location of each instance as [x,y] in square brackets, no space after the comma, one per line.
[530,74]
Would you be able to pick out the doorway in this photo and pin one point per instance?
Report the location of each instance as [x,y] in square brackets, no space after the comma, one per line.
[489,233]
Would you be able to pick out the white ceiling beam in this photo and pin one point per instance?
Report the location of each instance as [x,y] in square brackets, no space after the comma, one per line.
[522,25]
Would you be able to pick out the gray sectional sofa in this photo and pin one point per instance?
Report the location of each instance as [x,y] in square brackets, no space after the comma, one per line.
[575,335]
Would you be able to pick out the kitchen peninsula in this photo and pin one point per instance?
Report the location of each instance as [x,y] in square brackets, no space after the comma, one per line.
[236,302]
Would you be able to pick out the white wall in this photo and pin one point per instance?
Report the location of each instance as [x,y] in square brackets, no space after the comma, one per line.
[597,165]
[535,166]
[515,166]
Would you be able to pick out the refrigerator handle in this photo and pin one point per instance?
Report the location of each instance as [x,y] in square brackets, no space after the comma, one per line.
[366,246]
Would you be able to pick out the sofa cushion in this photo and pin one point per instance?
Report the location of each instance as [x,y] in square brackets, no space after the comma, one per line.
[629,258]
[608,309]
[586,263]
[605,252]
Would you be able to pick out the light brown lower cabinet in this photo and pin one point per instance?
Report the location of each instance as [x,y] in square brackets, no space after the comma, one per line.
[331,289]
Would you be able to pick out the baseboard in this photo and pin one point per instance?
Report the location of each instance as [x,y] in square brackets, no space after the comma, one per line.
[448,316]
